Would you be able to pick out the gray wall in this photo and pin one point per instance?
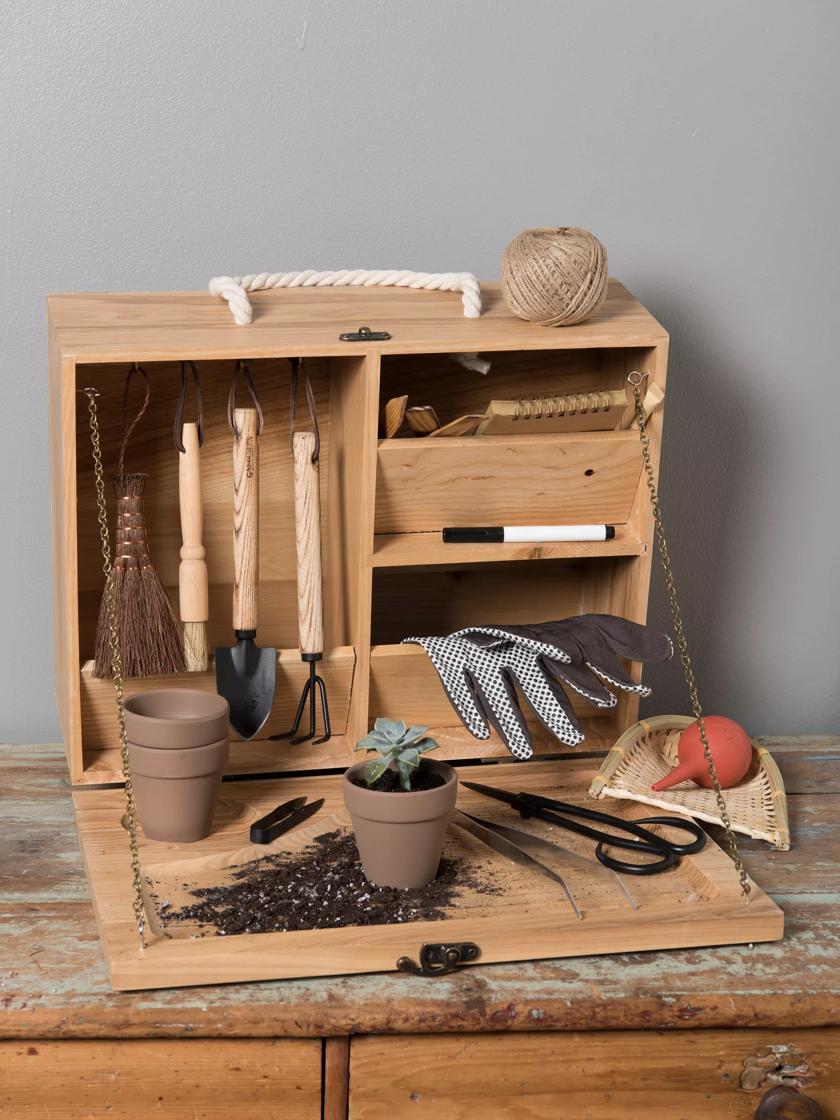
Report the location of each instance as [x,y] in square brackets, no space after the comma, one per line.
[152,144]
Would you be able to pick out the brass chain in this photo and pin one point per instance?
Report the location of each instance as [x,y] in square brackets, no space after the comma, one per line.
[635,380]
[116,661]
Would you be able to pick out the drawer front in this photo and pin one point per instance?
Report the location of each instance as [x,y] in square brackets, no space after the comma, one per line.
[193,1079]
[597,1076]
[425,484]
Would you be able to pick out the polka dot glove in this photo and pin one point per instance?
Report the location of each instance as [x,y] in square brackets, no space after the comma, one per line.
[480,681]
[481,666]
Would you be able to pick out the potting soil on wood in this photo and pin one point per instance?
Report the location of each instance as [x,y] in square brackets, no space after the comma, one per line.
[319,887]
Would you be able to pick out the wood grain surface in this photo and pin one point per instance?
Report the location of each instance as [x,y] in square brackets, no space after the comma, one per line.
[53,980]
[581,478]
[697,903]
[307,321]
[209,1079]
[588,1076]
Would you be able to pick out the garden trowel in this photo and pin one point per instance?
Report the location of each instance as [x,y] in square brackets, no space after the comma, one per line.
[245,674]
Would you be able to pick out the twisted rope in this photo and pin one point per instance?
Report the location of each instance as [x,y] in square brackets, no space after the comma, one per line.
[235,288]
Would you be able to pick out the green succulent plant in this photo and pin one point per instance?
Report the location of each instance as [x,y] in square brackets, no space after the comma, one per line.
[398,745]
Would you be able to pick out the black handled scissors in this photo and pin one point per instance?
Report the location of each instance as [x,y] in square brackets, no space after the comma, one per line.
[629,835]
[282,819]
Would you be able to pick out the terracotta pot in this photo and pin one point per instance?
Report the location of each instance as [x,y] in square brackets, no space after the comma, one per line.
[176,789]
[168,718]
[400,835]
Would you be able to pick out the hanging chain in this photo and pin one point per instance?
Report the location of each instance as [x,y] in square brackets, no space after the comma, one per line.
[116,661]
[635,381]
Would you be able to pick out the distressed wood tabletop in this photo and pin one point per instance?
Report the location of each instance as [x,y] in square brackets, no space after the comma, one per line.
[53,982]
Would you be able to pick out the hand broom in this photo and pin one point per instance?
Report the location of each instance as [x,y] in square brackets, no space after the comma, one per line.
[193,590]
[150,640]
[192,574]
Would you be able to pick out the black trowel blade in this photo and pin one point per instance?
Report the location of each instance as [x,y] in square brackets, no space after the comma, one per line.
[245,676]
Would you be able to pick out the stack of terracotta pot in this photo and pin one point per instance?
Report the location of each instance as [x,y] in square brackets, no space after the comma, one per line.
[178,748]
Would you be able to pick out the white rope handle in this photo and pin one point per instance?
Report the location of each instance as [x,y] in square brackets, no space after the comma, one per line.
[235,288]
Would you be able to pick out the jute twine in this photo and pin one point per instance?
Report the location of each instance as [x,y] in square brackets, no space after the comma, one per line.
[554,276]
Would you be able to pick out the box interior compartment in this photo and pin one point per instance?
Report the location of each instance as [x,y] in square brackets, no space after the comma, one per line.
[453,390]
[425,484]
[151,449]
[419,602]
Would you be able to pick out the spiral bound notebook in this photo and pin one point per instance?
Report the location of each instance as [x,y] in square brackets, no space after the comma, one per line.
[575,412]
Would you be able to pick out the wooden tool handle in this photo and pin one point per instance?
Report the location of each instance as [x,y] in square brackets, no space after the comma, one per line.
[308,543]
[246,519]
[192,574]
[422,419]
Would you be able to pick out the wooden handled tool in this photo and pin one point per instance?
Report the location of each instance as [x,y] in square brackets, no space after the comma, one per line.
[393,415]
[308,544]
[246,519]
[192,573]
[245,674]
[305,454]
[422,419]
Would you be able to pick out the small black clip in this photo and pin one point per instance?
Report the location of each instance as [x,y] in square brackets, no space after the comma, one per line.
[439,959]
[364,334]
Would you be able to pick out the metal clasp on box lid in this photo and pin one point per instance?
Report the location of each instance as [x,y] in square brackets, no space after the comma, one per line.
[364,334]
[439,959]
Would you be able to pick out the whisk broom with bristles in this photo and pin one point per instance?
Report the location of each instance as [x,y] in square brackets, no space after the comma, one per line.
[151,643]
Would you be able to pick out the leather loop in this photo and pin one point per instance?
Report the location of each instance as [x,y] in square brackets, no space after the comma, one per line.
[178,428]
[297,366]
[243,369]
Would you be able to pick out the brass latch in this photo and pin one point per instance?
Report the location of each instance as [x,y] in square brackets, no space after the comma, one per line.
[438,959]
[364,334]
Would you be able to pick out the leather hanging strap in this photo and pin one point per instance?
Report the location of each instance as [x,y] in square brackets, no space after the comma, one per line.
[297,365]
[243,369]
[178,429]
[129,425]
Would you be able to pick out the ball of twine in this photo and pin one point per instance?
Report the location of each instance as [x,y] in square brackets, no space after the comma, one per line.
[554,276]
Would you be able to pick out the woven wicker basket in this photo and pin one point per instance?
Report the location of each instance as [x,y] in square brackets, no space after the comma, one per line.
[647,751]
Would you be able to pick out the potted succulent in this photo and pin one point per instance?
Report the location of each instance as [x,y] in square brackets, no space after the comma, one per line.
[399,803]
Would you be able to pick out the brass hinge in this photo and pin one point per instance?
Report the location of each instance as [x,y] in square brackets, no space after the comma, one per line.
[438,959]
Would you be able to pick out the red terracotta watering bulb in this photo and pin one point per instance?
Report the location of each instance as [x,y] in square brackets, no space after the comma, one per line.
[731,750]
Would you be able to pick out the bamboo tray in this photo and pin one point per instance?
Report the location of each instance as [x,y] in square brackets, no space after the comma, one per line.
[645,753]
[696,904]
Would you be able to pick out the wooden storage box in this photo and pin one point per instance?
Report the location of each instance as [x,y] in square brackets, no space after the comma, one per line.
[387,573]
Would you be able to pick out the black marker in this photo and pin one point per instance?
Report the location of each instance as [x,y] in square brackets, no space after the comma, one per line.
[536,534]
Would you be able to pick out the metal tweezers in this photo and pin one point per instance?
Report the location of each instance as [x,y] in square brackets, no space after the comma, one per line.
[514,842]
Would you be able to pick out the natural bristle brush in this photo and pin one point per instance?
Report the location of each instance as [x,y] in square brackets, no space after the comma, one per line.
[306,448]
[151,642]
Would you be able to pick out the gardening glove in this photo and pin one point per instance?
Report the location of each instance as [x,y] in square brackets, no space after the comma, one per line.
[480,681]
[586,651]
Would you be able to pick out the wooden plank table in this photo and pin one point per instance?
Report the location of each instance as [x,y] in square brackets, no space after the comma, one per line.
[65,1029]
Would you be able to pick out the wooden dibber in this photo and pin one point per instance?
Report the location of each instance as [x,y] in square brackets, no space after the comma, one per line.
[309,585]
[192,573]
